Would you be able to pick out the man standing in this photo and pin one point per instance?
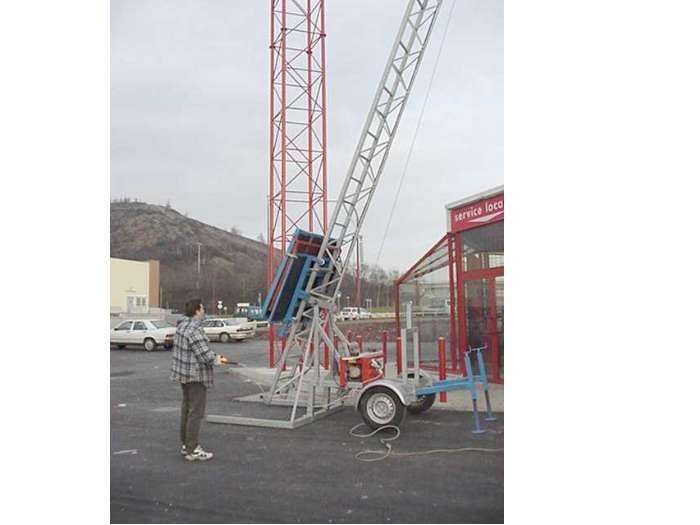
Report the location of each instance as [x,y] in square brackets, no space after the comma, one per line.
[192,367]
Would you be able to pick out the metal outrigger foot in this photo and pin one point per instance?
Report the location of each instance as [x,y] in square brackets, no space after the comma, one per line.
[485,384]
[467,383]
[482,379]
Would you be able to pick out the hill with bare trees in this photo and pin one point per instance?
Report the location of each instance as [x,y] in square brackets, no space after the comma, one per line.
[232,267]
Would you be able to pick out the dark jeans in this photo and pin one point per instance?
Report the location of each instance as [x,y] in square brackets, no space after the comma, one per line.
[194,401]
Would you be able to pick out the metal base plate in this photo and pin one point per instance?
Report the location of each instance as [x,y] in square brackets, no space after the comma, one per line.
[275,423]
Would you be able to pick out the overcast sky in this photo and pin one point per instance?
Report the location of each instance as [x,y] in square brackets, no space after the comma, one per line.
[190,112]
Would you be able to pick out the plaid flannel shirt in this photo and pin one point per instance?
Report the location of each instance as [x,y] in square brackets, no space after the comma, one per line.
[193,361]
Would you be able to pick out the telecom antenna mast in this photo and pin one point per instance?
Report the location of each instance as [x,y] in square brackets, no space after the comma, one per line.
[297,187]
[316,310]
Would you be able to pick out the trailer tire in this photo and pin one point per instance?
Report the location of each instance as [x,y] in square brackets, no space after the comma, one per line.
[422,404]
[381,406]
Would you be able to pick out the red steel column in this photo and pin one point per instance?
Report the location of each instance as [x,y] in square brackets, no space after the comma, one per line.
[493,340]
[442,366]
[461,315]
[385,341]
[397,307]
[399,369]
[271,188]
[322,76]
[453,319]
[309,116]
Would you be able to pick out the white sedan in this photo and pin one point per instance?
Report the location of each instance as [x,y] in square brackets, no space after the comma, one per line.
[142,332]
[225,330]
[352,313]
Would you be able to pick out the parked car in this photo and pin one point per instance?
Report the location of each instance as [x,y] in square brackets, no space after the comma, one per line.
[225,330]
[352,313]
[142,332]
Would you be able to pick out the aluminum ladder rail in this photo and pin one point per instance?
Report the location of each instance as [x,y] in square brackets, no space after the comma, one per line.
[357,191]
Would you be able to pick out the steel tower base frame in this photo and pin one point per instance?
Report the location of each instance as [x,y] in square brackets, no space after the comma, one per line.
[317,401]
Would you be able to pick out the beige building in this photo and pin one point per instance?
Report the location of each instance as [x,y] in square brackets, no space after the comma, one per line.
[134,285]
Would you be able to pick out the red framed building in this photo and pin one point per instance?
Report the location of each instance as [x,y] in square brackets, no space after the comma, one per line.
[457,287]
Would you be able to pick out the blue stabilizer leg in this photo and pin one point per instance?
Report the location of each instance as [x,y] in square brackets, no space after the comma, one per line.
[489,414]
[485,383]
[477,426]
[472,388]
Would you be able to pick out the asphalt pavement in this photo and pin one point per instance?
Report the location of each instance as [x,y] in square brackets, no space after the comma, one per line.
[307,475]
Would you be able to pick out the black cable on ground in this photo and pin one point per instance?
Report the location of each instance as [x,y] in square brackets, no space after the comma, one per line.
[379,455]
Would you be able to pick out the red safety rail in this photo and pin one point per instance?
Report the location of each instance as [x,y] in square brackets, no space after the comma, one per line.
[398,355]
[442,365]
[385,340]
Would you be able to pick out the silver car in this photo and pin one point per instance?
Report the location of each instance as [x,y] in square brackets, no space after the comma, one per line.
[225,330]
[142,332]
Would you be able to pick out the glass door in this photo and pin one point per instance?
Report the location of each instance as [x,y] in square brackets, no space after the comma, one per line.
[499,291]
[483,316]
[476,307]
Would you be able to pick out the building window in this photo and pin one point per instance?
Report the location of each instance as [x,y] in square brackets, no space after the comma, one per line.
[136,303]
[496,260]
[482,247]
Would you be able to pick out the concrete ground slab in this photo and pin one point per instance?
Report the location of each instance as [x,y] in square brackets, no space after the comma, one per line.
[310,474]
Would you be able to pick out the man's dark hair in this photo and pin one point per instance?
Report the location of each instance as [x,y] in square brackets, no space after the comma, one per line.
[192,306]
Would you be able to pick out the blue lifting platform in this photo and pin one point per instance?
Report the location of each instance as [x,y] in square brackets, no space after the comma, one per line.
[288,288]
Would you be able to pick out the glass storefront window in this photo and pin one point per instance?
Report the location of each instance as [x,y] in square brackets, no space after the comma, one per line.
[482,247]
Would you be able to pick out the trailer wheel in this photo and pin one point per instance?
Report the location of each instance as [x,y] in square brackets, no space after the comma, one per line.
[422,404]
[381,406]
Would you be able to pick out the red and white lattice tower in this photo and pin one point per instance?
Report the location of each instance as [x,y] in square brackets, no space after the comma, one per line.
[297,192]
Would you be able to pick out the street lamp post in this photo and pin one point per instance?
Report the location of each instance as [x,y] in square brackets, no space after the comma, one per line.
[199,262]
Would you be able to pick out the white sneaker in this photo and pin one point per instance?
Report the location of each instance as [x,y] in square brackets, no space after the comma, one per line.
[199,454]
